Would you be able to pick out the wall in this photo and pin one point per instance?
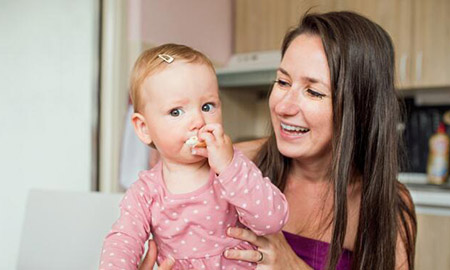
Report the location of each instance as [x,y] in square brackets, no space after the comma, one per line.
[48,82]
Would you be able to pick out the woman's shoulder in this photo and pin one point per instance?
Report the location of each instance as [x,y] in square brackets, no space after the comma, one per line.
[250,148]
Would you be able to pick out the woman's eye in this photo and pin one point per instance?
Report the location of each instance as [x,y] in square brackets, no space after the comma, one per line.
[315,94]
[282,83]
[176,112]
[207,107]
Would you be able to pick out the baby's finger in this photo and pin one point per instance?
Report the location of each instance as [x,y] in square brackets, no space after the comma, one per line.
[215,129]
[207,137]
[199,151]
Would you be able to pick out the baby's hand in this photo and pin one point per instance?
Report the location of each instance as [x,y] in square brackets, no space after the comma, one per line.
[219,148]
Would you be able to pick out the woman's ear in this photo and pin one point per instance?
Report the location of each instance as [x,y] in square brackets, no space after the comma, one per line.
[141,128]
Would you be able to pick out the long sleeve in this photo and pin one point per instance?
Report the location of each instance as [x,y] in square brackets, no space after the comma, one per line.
[124,245]
[261,206]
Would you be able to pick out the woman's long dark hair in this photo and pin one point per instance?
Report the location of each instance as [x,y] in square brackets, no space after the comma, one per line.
[366,112]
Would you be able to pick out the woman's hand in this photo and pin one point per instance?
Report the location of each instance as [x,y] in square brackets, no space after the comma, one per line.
[273,251]
[150,259]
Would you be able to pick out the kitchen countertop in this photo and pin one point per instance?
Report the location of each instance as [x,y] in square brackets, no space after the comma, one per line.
[428,198]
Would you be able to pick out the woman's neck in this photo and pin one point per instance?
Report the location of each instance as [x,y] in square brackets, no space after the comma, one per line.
[311,170]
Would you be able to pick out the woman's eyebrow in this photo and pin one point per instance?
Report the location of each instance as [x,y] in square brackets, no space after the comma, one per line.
[283,71]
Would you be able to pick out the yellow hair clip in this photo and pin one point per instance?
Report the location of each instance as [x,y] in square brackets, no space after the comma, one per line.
[165,57]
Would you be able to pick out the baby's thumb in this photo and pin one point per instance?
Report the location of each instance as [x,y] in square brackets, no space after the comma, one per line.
[199,151]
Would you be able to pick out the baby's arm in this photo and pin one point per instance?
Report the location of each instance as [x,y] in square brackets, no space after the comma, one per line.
[124,245]
[261,206]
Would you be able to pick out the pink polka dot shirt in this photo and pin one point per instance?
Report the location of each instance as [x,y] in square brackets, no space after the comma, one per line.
[191,227]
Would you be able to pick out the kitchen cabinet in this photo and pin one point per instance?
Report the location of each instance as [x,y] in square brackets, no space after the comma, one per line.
[260,25]
[419,29]
[433,242]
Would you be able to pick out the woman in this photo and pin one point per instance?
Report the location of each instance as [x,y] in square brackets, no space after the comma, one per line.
[333,151]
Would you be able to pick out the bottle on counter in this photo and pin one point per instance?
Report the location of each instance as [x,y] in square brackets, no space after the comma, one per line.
[438,157]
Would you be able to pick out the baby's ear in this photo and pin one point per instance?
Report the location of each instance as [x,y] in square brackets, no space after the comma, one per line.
[141,128]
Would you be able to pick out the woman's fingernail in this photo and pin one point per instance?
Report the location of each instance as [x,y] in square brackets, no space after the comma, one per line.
[226,253]
[171,259]
[229,232]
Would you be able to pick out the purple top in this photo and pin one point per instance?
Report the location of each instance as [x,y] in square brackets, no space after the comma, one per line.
[314,252]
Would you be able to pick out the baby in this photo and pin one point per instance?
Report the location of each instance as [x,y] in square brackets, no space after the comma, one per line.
[195,192]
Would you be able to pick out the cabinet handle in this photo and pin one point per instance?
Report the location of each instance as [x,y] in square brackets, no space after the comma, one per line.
[419,59]
[403,61]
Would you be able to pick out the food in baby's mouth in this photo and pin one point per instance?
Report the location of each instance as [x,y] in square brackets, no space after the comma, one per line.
[193,142]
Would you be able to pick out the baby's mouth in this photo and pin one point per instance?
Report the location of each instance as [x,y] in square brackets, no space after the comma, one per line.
[295,130]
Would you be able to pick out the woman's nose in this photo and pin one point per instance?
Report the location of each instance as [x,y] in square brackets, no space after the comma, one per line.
[288,105]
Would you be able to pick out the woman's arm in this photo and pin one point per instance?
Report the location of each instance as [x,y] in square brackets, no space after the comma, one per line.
[250,148]
[406,238]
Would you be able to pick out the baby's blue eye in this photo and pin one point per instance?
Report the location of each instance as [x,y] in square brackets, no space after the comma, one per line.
[176,112]
[207,107]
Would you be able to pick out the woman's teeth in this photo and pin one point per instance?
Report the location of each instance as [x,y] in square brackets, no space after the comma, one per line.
[290,128]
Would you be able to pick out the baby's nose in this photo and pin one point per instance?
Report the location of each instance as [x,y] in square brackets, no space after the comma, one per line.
[198,121]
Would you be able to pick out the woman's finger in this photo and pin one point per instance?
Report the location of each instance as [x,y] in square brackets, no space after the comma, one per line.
[244,255]
[167,264]
[245,235]
[150,257]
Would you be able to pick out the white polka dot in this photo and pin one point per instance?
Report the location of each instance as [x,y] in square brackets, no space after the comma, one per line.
[205,202]
[258,202]
[270,213]
[245,191]
[268,227]
[194,249]
[186,220]
[244,205]
[234,179]
[195,211]
[256,216]
[183,242]
[232,194]
[208,217]
[111,254]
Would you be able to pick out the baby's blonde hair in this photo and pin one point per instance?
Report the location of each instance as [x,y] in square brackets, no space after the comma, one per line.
[149,63]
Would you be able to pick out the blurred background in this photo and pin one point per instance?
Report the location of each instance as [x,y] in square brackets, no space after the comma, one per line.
[64,74]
